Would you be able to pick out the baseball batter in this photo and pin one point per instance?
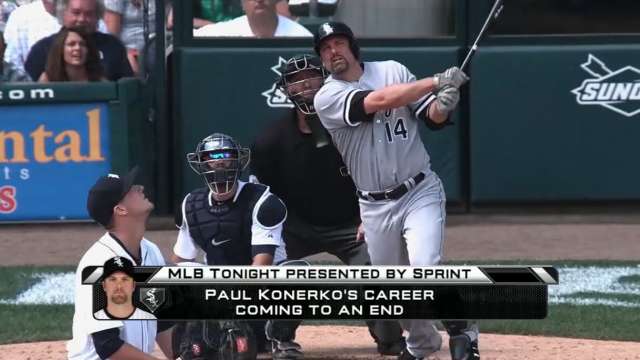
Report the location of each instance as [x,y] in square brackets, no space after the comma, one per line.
[372,111]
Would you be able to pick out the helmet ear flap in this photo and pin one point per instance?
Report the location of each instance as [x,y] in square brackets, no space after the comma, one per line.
[355,49]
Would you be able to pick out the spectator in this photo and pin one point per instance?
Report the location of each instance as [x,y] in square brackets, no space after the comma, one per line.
[217,10]
[282,8]
[27,25]
[84,14]
[8,73]
[73,57]
[261,20]
[6,8]
[206,12]
[125,19]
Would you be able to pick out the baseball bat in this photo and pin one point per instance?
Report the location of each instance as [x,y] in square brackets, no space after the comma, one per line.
[496,9]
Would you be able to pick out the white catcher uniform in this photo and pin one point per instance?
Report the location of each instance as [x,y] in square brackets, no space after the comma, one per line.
[383,152]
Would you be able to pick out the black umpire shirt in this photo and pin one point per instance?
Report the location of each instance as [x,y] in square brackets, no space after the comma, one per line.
[112,54]
[312,182]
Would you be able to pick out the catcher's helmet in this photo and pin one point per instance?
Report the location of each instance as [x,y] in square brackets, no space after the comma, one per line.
[219,160]
[300,78]
[334,28]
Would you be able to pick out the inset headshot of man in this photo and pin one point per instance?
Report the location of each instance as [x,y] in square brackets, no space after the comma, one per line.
[119,286]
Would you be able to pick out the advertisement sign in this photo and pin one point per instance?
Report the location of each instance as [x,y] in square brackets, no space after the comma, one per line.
[50,155]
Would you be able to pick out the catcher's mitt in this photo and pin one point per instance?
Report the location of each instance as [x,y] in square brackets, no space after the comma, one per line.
[214,340]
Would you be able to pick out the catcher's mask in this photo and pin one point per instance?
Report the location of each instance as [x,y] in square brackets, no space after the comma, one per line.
[219,160]
[301,78]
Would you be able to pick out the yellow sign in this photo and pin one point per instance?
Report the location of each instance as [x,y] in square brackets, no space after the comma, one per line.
[67,144]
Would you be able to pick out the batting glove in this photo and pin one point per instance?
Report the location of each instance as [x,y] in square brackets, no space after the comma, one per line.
[447,99]
[451,77]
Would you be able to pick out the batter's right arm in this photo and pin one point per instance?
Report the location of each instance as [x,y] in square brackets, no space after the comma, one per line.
[398,95]
[403,94]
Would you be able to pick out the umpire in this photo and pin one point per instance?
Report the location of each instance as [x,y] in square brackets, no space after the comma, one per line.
[295,158]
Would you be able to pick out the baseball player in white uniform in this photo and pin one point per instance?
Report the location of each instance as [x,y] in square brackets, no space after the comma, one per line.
[122,209]
[119,285]
[372,111]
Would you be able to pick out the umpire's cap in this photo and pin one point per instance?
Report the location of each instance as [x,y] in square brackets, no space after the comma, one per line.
[106,193]
[334,28]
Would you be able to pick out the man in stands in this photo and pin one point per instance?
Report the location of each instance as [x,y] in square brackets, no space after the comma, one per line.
[84,14]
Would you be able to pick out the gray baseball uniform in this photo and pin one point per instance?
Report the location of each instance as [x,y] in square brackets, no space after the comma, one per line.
[402,202]
[382,153]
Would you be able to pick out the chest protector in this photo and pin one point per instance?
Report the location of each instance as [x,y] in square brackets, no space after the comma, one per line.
[223,230]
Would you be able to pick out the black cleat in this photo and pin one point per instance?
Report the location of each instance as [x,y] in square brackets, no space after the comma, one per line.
[406,355]
[394,348]
[286,350]
[462,348]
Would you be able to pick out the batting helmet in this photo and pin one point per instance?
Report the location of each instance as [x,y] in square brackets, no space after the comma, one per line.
[219,160]
[334,28]
[299,84]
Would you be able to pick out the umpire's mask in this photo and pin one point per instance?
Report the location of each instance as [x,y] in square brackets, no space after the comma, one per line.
[219,160]
[300,78]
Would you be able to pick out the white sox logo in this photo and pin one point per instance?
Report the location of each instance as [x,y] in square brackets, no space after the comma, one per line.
[327,29]
[276,98]
[617,90]
[152,298]
[118,261]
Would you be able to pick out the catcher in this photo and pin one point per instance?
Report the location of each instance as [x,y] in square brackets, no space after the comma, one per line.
[234,223]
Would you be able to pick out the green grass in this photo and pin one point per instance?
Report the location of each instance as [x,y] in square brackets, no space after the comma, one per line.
[18,278]
[584,322]
[588,322]
[53,322]
[556,263]
[31,322]
[26,323]
[615,297]
[631,279]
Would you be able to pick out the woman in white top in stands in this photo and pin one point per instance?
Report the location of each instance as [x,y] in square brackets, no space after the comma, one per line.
[261,20]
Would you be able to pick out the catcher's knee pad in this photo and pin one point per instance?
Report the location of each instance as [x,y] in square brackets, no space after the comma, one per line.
[214,340]
[237,341]
[196,340]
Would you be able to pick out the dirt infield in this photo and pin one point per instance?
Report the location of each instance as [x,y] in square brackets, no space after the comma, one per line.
[468,237]
[354,343]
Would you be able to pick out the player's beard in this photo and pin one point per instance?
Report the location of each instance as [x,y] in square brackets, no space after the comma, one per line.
[340,66]
[119,299]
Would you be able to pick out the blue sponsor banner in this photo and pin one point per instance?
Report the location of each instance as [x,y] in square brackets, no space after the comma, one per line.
[50,155]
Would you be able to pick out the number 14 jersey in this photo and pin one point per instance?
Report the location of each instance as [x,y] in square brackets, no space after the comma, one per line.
[380,150]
